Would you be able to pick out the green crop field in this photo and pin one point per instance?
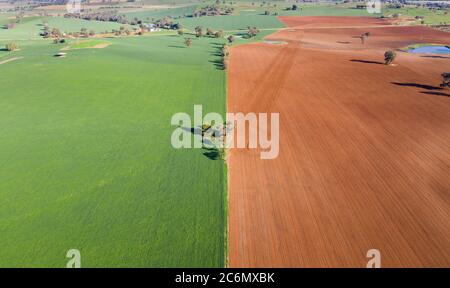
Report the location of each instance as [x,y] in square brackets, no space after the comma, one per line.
[163,12]
[232,22]
[87,161]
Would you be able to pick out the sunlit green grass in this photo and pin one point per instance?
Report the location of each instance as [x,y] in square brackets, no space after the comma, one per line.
[87,161]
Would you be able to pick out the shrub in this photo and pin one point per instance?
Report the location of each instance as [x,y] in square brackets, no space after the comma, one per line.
[11,47]
[188,42]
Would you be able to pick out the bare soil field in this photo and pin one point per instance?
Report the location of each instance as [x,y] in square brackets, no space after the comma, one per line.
[364,150]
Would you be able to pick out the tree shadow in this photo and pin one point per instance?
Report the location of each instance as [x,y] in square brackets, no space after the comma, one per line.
[218,64]
[436,93]
[217,44]
[434,56]
[343,42]
[367,61]
[193,130]
[212,153]
[177,46]
[426,87]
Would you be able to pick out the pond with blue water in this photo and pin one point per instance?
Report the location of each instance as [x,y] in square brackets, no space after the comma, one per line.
[431,49]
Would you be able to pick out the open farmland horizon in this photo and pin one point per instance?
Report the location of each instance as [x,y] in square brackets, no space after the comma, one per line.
[89,168]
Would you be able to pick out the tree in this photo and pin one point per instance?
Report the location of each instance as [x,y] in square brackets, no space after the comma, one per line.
[230,38]
[209,32]
[180,32]
[224,63]
[188,42]
[83,32]
[364,37]
[294,7]
[218,34]
[56,33]
[11,25]
[225,51]
[11,46]
[445,79]
[252,31]
[198,31]
[389,57]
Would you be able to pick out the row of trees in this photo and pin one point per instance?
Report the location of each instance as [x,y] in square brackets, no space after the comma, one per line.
[209,32]
[212,10]
[111,16]
[225,53]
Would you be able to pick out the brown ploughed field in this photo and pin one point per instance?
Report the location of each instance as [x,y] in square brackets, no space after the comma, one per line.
[364,148]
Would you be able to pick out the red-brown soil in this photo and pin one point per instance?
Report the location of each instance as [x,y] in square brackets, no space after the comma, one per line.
[364,150]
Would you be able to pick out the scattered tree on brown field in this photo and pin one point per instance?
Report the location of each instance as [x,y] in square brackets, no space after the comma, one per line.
[389,57]
[445,79]
[364,37]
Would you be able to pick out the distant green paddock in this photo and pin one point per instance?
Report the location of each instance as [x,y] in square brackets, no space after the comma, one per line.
[87,161]
[31,27]
[160,13]
[232,22]
[430,16]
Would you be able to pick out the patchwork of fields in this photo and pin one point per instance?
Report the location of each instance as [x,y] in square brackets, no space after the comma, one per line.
[86,160]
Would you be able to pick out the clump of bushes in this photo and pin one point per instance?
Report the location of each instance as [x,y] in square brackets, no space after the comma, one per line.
[252,31]
[225,54]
